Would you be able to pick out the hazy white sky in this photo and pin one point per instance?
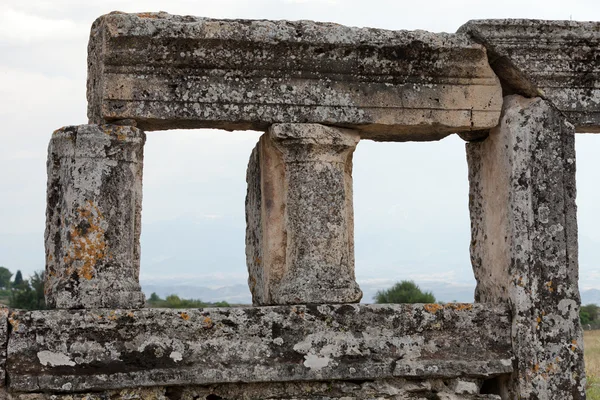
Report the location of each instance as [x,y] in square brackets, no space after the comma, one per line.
[410,198]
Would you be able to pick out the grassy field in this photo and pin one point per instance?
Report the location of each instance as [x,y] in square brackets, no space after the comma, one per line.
[592,363]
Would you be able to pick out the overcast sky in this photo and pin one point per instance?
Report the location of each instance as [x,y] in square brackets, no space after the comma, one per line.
[411,200]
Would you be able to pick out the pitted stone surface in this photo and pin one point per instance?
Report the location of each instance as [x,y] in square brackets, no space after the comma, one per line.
[93,217]
[383,389]
[4,315]
[300,219]
[524,243]
[556,60]
[168,71]
[79,350]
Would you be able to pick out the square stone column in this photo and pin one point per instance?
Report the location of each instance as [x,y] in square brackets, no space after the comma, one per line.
[524,244]
[299,214]
[93,217]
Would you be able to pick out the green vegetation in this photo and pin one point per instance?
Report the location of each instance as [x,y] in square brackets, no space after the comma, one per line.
[590,316]
[174,301]
[25,294]
[404,292]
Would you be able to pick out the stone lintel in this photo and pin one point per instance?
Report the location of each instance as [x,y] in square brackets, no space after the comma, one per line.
[93,217]
[87,350]
[171,72]
[556,60]
[300,218]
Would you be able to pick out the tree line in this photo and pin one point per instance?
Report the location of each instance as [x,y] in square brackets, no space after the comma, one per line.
[26,294]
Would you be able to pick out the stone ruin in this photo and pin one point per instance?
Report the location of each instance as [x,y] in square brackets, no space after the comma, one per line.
[515,90]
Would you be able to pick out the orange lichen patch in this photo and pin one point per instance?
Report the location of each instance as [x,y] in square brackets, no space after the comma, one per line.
[257,260]
[208,322]
[87,246]
[14,322]
[112,316]
[549,286]
[184,316]
[130,314]
[433,308]
[536,368]
[459,306]
[147,15]
[573,345]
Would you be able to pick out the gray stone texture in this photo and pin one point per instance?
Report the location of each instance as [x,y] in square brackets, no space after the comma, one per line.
[384,389]
[88,350]
[93,217]
[168,72]
[556,60]
[300,219]
[524,244]
[4,317]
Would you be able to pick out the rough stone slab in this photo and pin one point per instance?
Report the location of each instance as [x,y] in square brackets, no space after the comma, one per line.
[93,217]
[384,389]
[300,219]
[167,72]
[524,243]
[556,60]
[79,350]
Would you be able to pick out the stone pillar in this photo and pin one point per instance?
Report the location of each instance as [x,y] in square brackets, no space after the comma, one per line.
[93,217]
[299,213]
[524,244]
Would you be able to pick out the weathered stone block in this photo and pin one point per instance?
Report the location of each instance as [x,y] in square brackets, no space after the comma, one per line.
[524,243]
[87,350]
[382,389]
[93,217]
[300,219]
[168,71]
[556,60]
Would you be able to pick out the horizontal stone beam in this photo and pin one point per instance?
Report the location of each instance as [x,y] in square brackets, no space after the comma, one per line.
[556,60]
[79,350]
[169,72]
[384,389]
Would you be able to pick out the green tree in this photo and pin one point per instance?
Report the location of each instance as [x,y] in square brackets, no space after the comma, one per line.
[404,292]
[18,279]
[37,284]
[5,276]
[22,296]
[29,293]
[154,298]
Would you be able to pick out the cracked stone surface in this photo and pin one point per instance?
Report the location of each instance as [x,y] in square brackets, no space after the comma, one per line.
[300,218]
[93,217]
[170,72]
[524,243]
[556,60]
[87,350]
